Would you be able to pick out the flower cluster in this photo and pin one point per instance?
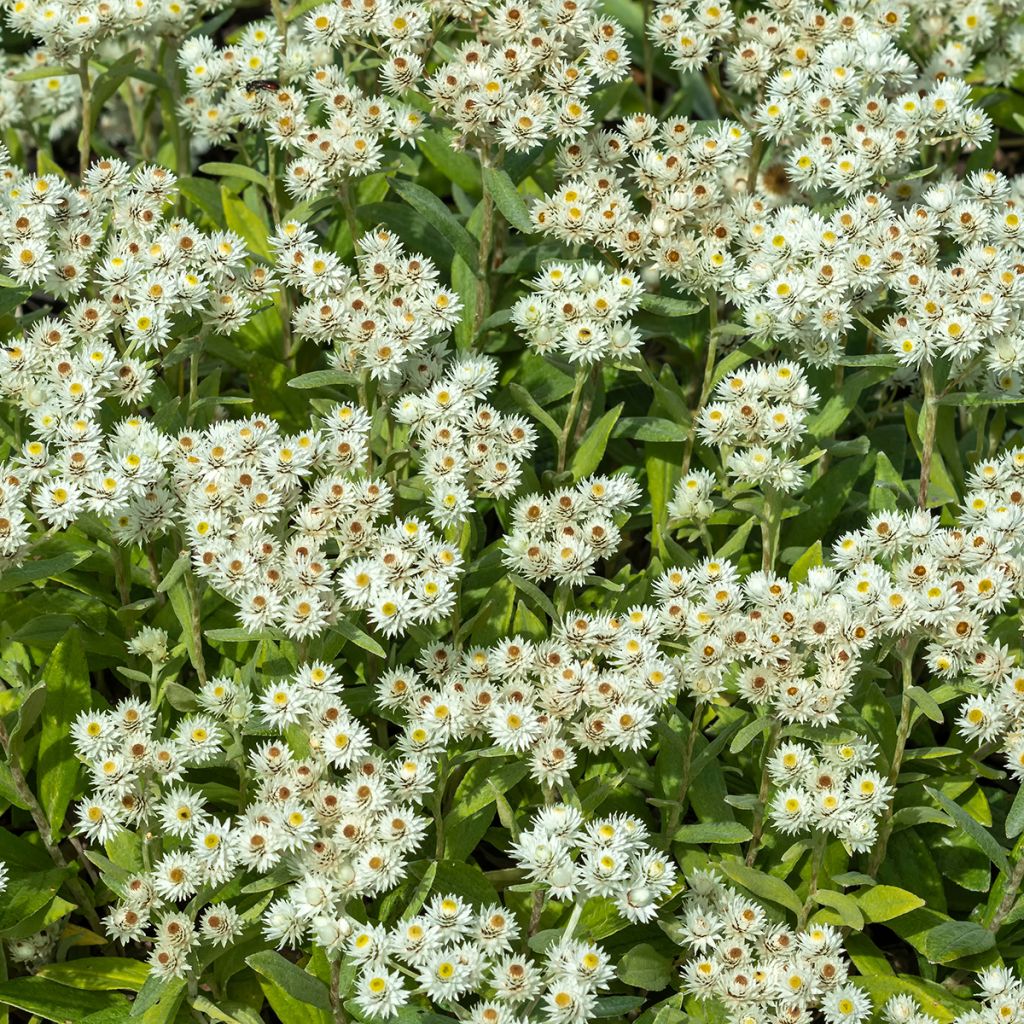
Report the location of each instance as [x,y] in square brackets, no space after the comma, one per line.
[563,535]
[454,951]
[596,684]
[338,816]
[527,76]
[243,481]
[760,412]
[608,857]
[834,790]
[759,970]
[1002,997]
[468,448]
[580,312]
[379,320]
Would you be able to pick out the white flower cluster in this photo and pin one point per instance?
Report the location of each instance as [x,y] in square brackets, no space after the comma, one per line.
[692,499]
[381,319]
[242,482]
[761,412]
[761,971]
[834,86]
[454,951]
[1001,995]
[466,447]
[596,684]
[834,790]
[580,312]
[609,857]
[111,236]
[233,87]
[562,536]
[68,30]
[528,74]
[338,816]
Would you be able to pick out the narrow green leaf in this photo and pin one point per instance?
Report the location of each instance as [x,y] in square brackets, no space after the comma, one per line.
[354,634]
[767,887]
[986,842]
[713,832]
[439,216]
[507,199]
[66,675]
[668,306]
[587,457]
[292,979]
[220,170]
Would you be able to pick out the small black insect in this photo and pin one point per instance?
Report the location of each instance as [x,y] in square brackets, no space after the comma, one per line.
[263,85]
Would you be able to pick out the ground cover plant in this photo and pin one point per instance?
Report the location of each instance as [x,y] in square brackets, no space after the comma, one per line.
[512,513]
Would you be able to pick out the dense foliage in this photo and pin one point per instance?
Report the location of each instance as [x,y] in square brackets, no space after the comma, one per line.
[512,513]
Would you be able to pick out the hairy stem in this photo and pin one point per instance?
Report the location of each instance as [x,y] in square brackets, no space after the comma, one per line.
[762,794]
[928,411]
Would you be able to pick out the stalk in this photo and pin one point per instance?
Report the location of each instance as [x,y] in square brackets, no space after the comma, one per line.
[928,410]
[902,733]
[762,794]
[709,374]
[676,811]
[570,416]
[85,135]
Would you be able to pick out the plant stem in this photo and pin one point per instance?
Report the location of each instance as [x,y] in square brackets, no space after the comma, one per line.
[196,623]
[817,857]
[337,1008]
[771,526]
[709,374]
[902,733]
[442,779]
[762,794]
[928,411]
[1013,884]
[676,812]
[570,416]
[85,135]
[483,287]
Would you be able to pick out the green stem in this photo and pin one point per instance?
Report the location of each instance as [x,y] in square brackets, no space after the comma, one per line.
[757,828]
[771,526]
[928,411]
[902,734]
[817,857]
[570,416]
[196,625]
[676,812]
[85,135]
[483,287]
[709,376]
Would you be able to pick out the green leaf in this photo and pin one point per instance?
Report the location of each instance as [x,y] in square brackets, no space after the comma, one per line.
[884,902]
[713,832]
[98,972]
[456,165]
[775,890]
[322,379]
[66,675]
[927,703]
[810,559]
[529,404]
[42,569]
[536,596]
[953,940]
[1015,817]
[981,835]
[220,170]
[439,216]
[844,905]
[507,199]
[54,1002]
[292,979]
[644,967]
[666,305]
[244,222]
[651,428]
[354,634]
[588,456]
